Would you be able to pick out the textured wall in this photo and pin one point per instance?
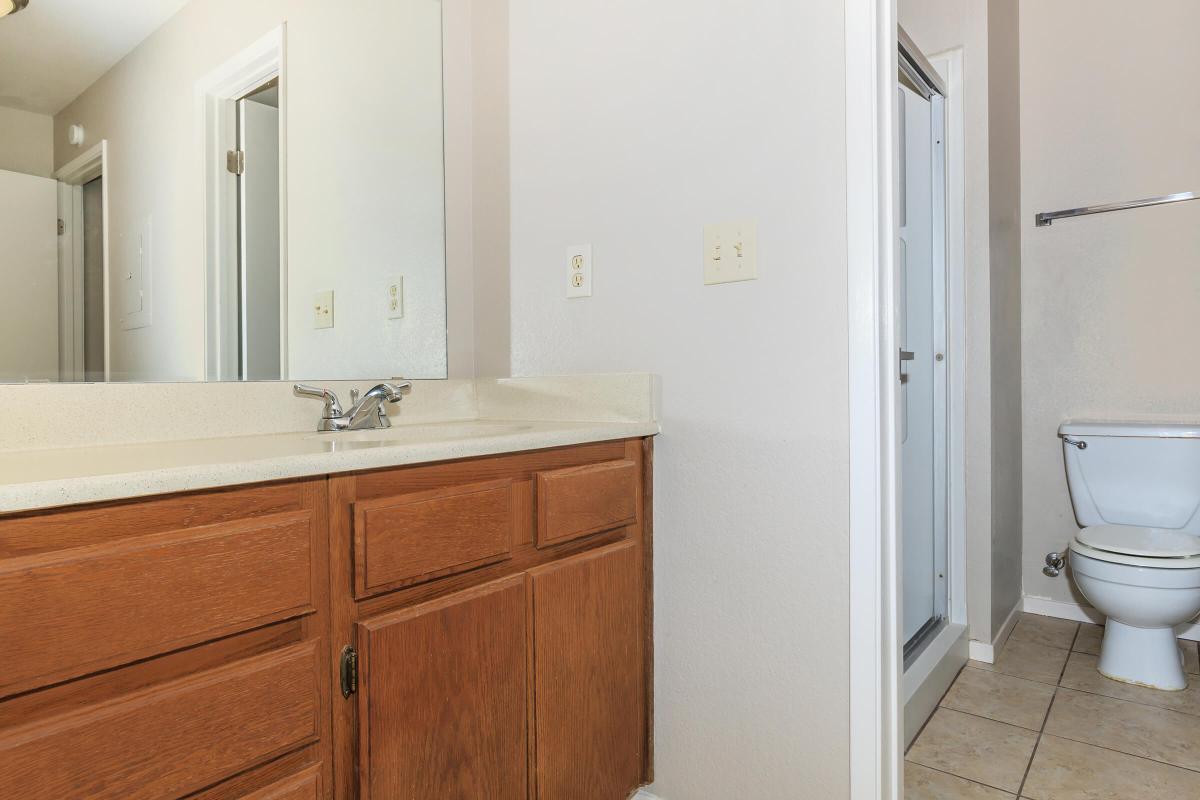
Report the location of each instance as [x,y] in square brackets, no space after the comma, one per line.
[1110,303]
[26,142]
[634,124]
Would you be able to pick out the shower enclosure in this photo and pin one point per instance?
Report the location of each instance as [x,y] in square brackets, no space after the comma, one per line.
[928,295]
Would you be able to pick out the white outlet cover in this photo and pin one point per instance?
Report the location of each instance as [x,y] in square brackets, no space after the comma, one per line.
[323,309]
[579,270]
[394,297]
[731,252]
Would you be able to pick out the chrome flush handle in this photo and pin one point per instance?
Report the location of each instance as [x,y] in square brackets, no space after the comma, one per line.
[1077,443]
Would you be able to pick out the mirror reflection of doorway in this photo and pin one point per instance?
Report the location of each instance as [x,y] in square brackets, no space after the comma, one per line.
[256,166]
[93,280]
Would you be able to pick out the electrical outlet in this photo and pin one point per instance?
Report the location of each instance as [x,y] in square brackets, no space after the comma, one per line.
[731,252]
[395,298]
[579,270]
[323,310]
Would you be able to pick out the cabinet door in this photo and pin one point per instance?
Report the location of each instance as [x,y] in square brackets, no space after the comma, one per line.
[442,698]
[588,675]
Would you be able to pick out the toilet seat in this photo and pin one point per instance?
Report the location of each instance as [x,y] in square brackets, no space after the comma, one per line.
[1134,540]
[1137,546]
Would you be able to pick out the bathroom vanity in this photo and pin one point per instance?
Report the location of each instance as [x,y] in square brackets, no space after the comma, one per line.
[477,627]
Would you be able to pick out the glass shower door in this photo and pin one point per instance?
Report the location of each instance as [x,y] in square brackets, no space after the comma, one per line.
[920,299]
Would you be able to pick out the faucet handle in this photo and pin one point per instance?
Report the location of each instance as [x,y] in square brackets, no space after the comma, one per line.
[332,407]
[393,391]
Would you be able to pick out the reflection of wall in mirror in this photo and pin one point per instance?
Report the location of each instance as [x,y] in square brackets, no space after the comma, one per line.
[29,275]
[363,109]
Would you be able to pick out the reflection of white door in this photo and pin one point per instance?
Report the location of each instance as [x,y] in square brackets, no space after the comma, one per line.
[258,226]
[29,274]
[920,315]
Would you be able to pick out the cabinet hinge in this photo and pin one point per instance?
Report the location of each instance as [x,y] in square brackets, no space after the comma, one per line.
[235,161]
[349,671]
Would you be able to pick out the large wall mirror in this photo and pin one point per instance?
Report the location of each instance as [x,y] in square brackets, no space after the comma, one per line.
[222,190]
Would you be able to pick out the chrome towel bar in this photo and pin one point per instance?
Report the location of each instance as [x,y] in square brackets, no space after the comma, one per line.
[1046,217]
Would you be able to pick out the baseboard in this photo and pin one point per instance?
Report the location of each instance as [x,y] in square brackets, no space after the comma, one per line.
[986,651]
[1081,613]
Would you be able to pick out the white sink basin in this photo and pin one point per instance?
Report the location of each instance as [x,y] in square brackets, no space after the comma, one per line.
[414,434]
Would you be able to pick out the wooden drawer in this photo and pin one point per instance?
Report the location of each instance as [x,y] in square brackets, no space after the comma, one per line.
[305,785]
[68,612]
[170,739]
[410,538]
[579,501]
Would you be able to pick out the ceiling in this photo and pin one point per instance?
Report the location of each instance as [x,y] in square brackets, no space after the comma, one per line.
[54,49]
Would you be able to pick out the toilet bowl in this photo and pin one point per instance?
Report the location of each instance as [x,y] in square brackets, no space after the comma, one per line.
[1144,598]
[1135,488]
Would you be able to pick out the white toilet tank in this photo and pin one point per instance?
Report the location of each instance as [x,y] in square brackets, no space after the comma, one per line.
[1134,473]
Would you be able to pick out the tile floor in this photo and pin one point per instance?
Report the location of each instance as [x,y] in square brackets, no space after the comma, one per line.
[1042,724]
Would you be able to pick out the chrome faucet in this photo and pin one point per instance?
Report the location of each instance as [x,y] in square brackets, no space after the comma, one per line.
[364,414]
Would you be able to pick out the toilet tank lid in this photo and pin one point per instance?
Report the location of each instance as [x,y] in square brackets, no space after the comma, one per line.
[1158,430]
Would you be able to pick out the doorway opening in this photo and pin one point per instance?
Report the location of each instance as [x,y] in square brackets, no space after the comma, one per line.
[256,171]
[244,111]
[83,263]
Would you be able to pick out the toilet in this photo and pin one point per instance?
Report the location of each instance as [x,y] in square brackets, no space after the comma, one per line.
[1135,488]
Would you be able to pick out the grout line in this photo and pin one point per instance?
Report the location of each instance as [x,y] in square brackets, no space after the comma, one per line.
[961,778]
[1038,743]
[1123,753]
[1126,699]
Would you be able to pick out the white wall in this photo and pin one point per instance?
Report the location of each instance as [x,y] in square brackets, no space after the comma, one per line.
[1004,210]
[1110,303]
[633,125]
[364,167]
[29,275]
[26,142]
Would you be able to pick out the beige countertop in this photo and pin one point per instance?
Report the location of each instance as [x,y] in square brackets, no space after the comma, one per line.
[46,478]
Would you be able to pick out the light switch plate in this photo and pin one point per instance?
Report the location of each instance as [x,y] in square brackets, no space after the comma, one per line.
[731,252]
[323,309]
[579,270]
[137,278]
[395,298]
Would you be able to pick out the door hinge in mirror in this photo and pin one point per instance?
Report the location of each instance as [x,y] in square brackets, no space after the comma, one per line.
[62,227]
[235,161]
[349,671]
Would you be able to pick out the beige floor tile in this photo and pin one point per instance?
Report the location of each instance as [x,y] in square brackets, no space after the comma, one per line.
[1000,697]
[1049,631]
[1089,638]
[1191,656]
[1133,728]
[1081,674]
[1037,662]
[981,750]
[1066,770]
[922,783]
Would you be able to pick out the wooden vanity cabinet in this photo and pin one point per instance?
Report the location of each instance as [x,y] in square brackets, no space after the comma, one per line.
[516,667]
[470,629]
[167,647]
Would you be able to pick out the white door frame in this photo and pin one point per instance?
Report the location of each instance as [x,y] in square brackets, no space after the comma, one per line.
[86,167]
[871,202]
[216,94]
